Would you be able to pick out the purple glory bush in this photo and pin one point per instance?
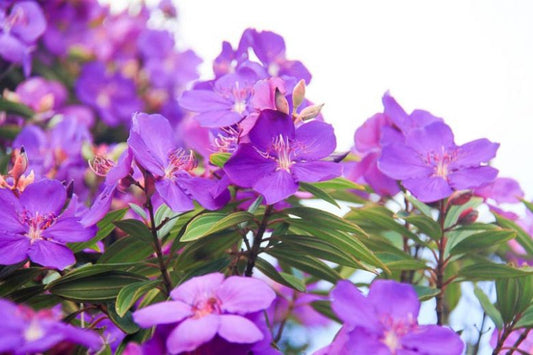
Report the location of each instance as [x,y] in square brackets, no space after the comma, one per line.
[431,166]
[153,145]
[25,331]
[34,226]
[385,323]
[209,305]
[280,155]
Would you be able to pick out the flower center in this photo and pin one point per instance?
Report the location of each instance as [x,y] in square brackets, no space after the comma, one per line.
[101,165]
[37,224]
[395,330]
[227,140]
[440,162]
[283,150]
[33,332]
[180,160]
[206,307]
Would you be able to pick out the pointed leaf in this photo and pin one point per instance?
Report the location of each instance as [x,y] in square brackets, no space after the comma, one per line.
[129,294]
[210,223]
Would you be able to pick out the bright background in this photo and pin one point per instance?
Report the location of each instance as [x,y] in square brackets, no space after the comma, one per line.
[469,62]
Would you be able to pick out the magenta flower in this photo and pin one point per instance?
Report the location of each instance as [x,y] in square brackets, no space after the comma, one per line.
[280,155]
[45,97]
[205,306]
[525,347]
[154,148]
[25,331]
[33,226]
[501,190]
[385,323]
[431,166]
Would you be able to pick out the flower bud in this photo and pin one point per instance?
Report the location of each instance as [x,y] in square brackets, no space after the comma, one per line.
[282,104]
[309,112]
[20,163]
[298,94]
[468,216]
[459,198]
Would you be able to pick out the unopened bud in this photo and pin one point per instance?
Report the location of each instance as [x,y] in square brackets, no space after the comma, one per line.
[149,185]
[298,94]
[20,163]
[282,104]
[459,198]
[468,216]
[309,112]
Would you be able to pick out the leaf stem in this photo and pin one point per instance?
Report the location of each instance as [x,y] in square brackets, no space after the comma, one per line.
[258,239]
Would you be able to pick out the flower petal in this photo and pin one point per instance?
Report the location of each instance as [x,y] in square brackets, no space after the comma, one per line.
[314,140]
[436,137]
[200,286]
[213,119]
[87,338]
[68,230]
[244,295]
[191,333]
[394,299]
[51,254]
[173,195]
[270,125]
[44,197]
[205,191]
[237,329]
[428,189]
[276,187]
[470,178]
[353,308]
[432,339]
[13,248]
[475,153]
[400,162]
[204,101]
[247,166]
[161,313]
[8,213]
[314,171]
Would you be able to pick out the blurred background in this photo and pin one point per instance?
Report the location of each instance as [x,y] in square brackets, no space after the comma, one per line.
[469,62]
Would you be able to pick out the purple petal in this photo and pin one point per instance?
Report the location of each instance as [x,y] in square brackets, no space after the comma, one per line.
[392,298]
[161,313]
[367,137]
[100,206]
[205,191]
[244,295]
[380,183]
[270,125]
[201,286]
[237,329]
[436,137]
[296,69]
[470,178]
[353,308]
[8,213]
[44,197]
[51,254]
[428,189]
[214,119]
[87,338]
[144,156]
[421,118]
[267,46]
[432,339]
[502,190]
[401,162]
[314,171]
[361,341]
[204,101]
[11,48]
[30,23]
[394,111]
[191,333]
[314,140]
[276,187]
[173,195]
[247,166]
[13,248]
[475,153]
[121,170]
[66,230]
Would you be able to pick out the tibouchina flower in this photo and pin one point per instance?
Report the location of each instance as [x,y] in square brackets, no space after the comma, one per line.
[385,323]
[280,155]
[208,305]
[34,226]
[431,166]
[25,331]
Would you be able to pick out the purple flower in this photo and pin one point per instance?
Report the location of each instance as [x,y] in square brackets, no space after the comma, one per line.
[25,331]
[153,145]
[280,155]
[19,30]
[112,95]
[525,347]
[225,105]
[432,166]
[33,226]
[43,96]
[501,190]
[385,323]
[208,305]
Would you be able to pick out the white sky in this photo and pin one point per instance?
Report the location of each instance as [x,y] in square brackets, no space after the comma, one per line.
[470,62]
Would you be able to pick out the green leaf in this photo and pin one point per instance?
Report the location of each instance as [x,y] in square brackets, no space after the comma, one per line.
[425,225]
[127,249]
[526,321]
[419,205]
[129,294]
[9,131]
[491,271]
[522,237]
[90,270]
[219,159]
[124,322]
[18,280]
[307,264]
[16,108]
[283,278]
[319,193]
[455,211]
[514,295]
[482,240]
[139,210]
[426,293]
[105,227]
[488,307]
[210,223]
[95,288]
[324,308]
[339,184]
[136,229]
